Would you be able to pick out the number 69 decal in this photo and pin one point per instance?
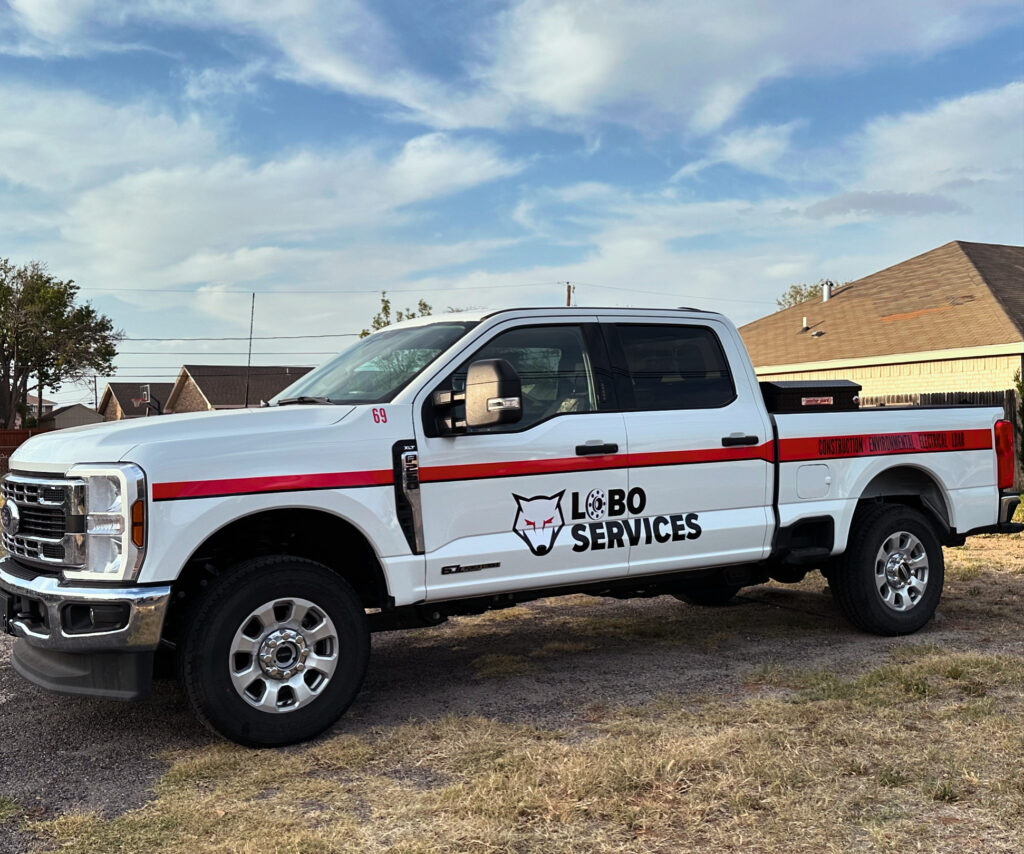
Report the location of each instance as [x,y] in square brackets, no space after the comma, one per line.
[380,416]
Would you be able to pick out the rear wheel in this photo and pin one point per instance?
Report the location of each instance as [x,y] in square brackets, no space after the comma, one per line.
[275,652]
[889,580]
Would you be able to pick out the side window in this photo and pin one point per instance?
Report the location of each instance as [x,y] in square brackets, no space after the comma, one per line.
[554,367]
[676,367]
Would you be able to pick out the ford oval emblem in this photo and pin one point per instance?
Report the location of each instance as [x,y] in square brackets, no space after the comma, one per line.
[10,517]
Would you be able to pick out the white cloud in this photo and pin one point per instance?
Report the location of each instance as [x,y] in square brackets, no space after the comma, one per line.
[976,138]
[63,139]
[658,65]
[757,149]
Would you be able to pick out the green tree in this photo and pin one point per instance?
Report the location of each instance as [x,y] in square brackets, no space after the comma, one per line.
[384,316]
[803,292]
[46,335]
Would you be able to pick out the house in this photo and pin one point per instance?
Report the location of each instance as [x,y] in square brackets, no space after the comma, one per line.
[950,320]
[206,387]
[33,408]
[118,400]
[73,415]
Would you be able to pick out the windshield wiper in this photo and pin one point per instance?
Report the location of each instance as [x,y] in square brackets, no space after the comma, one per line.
[304,399]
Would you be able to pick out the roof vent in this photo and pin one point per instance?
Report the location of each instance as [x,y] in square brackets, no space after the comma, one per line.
[817,334]
[805,326]
[826,290]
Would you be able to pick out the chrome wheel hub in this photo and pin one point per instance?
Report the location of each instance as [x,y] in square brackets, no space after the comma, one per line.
[283,655]
[901,571]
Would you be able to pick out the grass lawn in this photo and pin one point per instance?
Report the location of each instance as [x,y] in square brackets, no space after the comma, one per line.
[921,748]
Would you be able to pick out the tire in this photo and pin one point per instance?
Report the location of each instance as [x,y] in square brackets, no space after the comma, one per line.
[711,596]
[889,580]
[274,652]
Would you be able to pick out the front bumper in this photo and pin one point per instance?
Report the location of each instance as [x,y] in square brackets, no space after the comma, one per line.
[82,640]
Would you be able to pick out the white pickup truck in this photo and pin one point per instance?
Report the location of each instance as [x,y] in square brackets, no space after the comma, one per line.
[451,465]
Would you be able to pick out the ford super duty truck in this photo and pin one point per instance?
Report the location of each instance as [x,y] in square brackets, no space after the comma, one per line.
[451,465]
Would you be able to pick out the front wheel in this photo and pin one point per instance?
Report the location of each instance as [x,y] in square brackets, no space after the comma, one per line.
[890,578]
[275,651]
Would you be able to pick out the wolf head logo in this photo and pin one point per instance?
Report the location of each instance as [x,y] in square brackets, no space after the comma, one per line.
[539,521]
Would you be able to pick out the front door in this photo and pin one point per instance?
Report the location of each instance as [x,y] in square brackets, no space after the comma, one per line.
[524,505]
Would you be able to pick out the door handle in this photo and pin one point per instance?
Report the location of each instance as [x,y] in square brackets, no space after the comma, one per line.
[738,439]
[596,448]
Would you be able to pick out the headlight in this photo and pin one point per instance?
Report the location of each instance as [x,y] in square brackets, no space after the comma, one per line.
[115,522]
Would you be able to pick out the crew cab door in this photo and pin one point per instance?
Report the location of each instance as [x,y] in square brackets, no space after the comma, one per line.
[500,505]
[700,444]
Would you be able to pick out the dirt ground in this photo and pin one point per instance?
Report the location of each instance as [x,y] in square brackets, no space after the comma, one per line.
[555,666]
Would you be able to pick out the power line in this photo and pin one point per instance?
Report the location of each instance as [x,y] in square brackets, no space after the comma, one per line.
[304,291]
[225,353]
[255,338]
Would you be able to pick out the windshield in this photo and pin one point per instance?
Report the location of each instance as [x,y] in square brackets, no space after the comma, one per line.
[377,367]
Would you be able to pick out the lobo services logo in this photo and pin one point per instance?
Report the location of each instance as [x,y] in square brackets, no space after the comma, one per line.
[539,521]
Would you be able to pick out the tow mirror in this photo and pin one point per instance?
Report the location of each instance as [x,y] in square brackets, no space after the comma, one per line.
[493,394]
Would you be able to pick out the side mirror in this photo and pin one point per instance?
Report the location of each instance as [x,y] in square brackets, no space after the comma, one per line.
[493,394]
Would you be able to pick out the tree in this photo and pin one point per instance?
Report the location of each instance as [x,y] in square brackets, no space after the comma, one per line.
[383,317]
[46,335]
[803,292]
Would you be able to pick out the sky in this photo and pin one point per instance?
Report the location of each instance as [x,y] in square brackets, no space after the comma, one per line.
[173,157]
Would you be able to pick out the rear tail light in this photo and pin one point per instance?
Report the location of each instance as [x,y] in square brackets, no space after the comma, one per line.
[1005,463]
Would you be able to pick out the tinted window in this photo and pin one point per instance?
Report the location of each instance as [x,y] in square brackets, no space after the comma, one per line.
[676,367]
[554,368]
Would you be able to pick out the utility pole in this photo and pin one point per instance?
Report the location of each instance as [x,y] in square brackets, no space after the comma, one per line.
[95,397]
[570,289]
[248,363]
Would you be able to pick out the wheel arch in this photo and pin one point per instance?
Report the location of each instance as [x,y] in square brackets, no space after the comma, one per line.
[915,487]
[310,533]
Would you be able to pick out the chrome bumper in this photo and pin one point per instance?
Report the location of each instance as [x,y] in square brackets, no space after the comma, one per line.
[44,625]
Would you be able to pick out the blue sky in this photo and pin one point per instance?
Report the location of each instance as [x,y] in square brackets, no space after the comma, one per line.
[172,157]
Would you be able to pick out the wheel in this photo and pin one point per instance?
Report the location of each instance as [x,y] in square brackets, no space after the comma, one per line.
[274,652]
[889,580]
[708,596]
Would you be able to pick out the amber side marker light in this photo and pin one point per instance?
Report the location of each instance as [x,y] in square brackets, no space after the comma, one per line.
[139,523]
[1004,454]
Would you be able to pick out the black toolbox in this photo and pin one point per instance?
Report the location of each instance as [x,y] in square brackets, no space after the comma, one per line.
[810,395]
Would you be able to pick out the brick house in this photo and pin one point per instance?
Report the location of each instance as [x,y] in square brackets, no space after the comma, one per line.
[950,320]
[118,400]
[207,387]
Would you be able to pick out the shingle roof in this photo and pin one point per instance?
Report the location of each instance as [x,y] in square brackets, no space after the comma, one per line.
[224,385]
[959,295]
[125,393]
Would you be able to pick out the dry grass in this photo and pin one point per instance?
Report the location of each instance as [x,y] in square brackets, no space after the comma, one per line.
[923,752]
[916,745]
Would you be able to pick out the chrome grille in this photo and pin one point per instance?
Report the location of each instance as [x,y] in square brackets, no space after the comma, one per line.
[51,519]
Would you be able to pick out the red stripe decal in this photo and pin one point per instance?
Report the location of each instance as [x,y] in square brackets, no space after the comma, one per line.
[791,450]
[273,483]
[883,444]
[520,468]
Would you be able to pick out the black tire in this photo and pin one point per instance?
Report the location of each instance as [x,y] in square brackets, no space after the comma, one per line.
[710,596]
[859,581]
[217,622]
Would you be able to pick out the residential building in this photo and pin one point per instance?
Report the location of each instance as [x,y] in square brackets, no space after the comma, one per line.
[950,320]
[207,387]
[119,400]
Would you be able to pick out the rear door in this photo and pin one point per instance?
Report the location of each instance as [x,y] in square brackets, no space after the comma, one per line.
[700,445]
[509,508]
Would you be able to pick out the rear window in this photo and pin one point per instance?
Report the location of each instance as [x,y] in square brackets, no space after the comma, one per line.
[676,367]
